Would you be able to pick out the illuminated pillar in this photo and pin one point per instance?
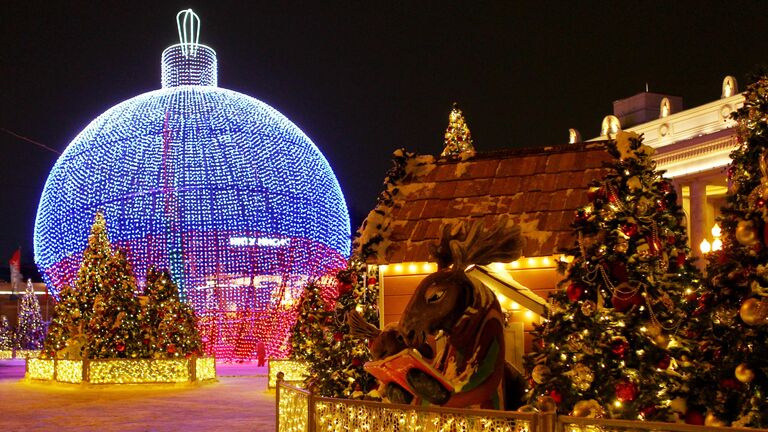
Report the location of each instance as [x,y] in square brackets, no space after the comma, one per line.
[698,216]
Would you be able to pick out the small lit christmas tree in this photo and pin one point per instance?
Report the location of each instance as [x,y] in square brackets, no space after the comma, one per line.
[321,334]
[458,138]
[6,334]
[611,346]
[66,337]
[171,323]
[732,325]
[30,331]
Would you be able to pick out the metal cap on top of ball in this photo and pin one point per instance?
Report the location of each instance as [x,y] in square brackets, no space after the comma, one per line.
[214,185]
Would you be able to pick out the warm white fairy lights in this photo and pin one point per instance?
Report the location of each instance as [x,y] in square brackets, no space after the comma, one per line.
[138,371]
[122,371]
[294,371]
[40,369]
[214,185]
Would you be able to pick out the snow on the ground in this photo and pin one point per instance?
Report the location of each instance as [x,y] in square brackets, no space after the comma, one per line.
[239,401]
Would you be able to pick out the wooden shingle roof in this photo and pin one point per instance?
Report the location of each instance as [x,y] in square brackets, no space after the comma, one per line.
[539,189]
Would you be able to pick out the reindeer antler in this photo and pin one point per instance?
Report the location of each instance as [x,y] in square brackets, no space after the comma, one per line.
[501,243]
[359,327]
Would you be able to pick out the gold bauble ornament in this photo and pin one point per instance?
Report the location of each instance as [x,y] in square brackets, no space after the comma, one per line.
[621,246]
[588,307]
[634,183]
[653,329]
[661,341]
[746,234]
[743,373]
[588,408]
[581,376]
[711,420]
[753,312]
[540,374]
[546,404]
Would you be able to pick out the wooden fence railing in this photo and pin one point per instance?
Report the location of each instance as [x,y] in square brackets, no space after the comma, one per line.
[299,410]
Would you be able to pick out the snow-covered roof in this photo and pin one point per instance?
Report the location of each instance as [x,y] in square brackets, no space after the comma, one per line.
[537,188]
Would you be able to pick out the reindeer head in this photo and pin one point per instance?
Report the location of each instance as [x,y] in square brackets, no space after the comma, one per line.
[442,298]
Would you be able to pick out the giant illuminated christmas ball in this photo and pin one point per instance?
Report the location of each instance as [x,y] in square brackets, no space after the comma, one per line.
[212,184]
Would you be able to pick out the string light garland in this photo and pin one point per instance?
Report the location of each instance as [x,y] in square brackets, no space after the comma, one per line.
[214,185]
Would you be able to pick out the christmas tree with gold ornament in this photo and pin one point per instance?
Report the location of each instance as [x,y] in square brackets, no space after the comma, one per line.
[611,345]
[458,138]
[321,335]
[171,323]
[732,317]
[116,327]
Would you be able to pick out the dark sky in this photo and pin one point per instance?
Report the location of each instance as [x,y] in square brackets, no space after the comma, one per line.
[362,79]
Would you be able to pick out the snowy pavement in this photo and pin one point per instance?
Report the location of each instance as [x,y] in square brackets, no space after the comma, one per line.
[239,401]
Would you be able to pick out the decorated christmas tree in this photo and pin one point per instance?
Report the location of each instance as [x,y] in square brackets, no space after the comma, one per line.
[610,345]
[171,323]
[321,335]
[66,336]
[6,334]
[116,327]
[102,317]
[30,331]
[458,138]
[732,386]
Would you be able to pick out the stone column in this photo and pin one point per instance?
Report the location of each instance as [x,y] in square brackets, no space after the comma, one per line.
[698,226]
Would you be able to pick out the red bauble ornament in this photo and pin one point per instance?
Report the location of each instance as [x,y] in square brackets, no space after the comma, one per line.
[626,391]
[694,417]
[681,259]
[556,396]
[663,364]
[120,346]
[574,292]
[595,192]
[648,411]
[671,239]
[372,281]
[693,296]
[654,245]
[730,383]
[629,229]
[338,336]
[661,205]
[618,270]
[356,362]
[619,347]
[171,348]
[344,288]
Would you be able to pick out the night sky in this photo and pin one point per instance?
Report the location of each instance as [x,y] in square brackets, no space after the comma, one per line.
[362,79]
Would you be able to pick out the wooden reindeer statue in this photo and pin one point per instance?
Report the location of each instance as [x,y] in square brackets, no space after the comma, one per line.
[449,304]
[467,316]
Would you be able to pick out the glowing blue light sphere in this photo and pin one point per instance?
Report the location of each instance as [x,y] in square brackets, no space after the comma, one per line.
[214,185]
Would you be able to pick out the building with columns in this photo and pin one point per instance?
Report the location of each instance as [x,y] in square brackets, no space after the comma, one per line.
[692,146]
